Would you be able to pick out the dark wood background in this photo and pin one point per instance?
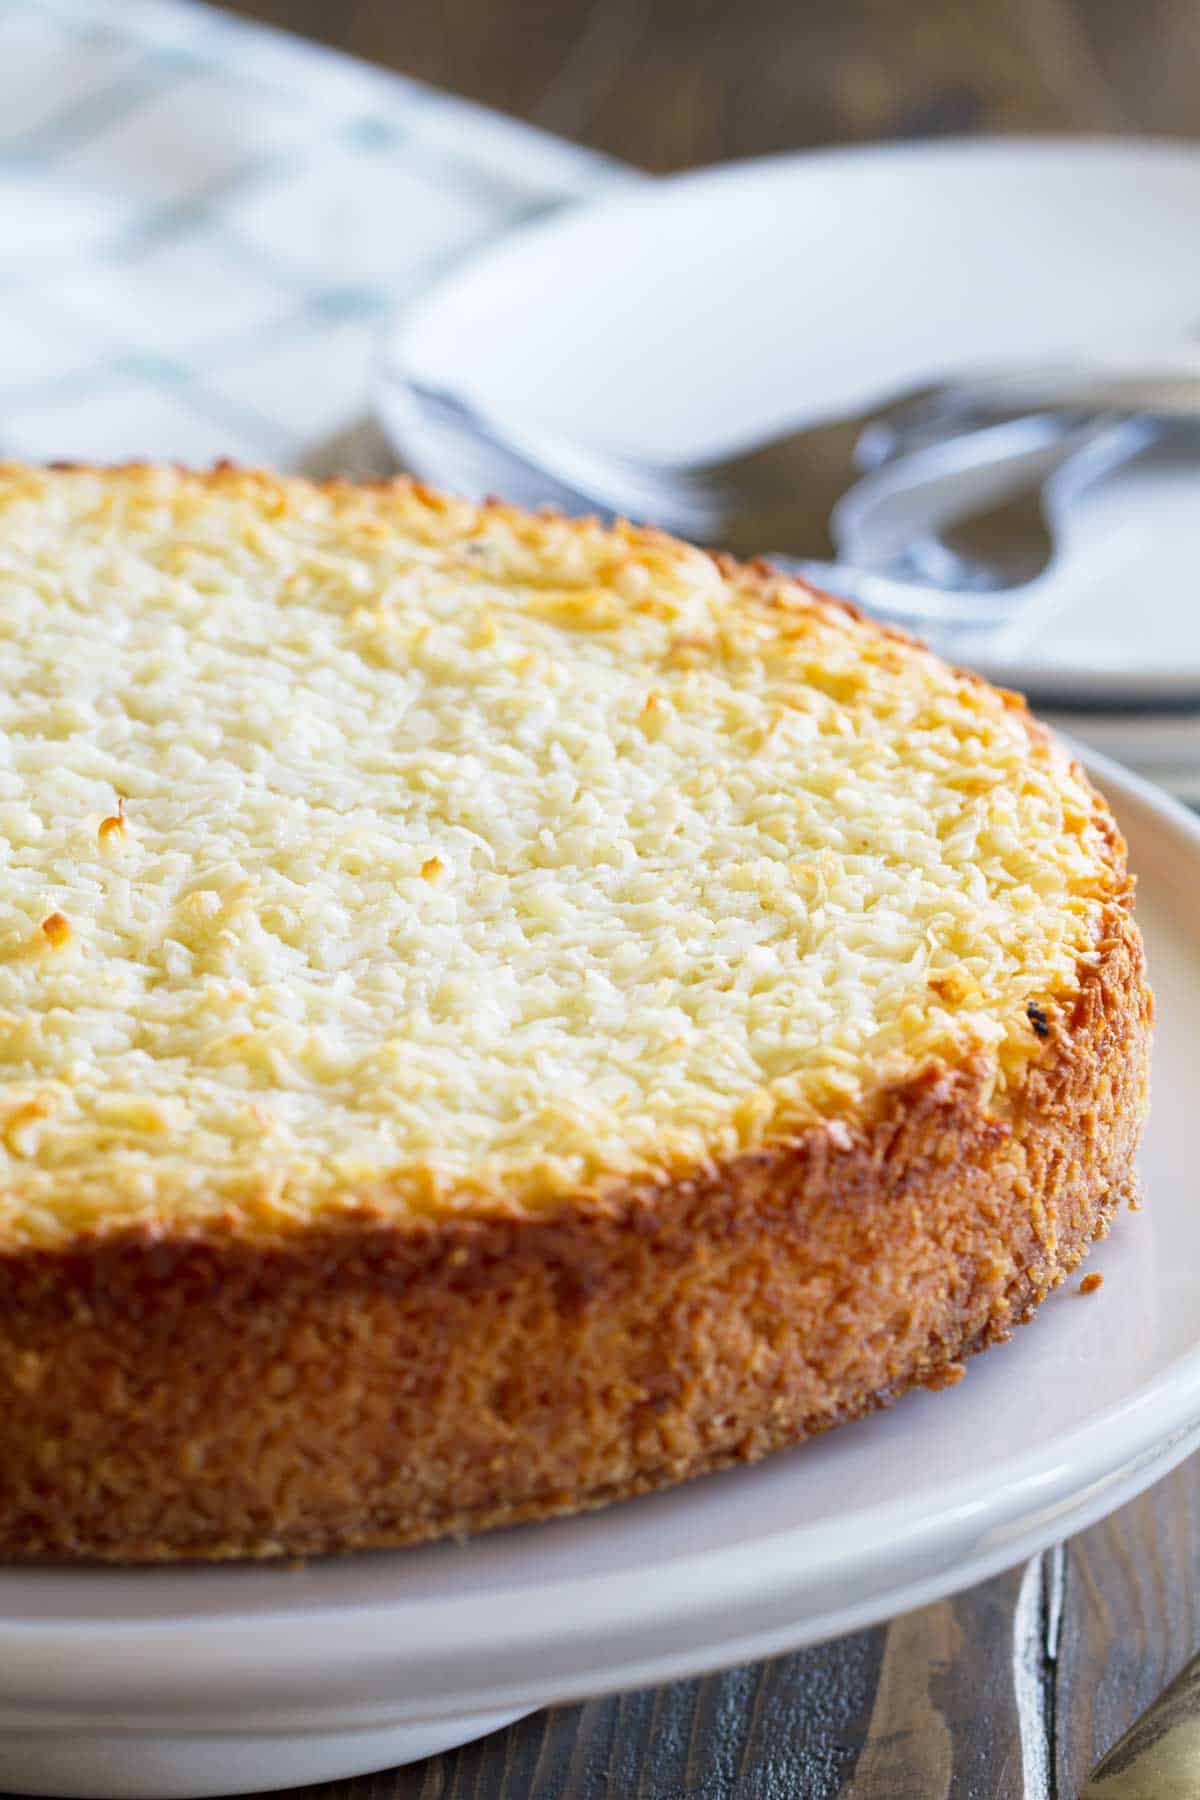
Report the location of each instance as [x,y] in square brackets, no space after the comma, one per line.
[926,1708]
[669,83]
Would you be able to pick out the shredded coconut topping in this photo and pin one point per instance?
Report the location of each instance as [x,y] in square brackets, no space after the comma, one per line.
[365,848]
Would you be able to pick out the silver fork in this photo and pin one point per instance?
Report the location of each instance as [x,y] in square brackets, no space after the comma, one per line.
[957,537]
[782,495]
[733,502]
[951,527]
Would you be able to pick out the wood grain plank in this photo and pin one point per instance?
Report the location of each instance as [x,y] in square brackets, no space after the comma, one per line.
[1036,1644]
[503,52]
[609,41]
[1149,55]
[959,1708]
[773,1731]
[909,1754]
[1132,1618]
[669,83]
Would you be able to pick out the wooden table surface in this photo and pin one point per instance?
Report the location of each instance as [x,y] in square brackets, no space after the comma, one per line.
[1010,1691]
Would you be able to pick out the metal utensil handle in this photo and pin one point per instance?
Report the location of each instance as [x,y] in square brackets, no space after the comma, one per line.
[1163,390]
[1160,1753]
[933,488]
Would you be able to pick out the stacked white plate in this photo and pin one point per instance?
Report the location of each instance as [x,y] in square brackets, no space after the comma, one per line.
[684,317]
[1110,651]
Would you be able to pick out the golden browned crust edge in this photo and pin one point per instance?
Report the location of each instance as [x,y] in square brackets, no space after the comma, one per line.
[759,576]
[379,1385]
[367,1383]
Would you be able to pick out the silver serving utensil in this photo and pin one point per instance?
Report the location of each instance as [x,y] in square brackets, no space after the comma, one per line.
[940,532]
[784,492]
[961,534]
[731,503]
[1159,1756]
[983,489]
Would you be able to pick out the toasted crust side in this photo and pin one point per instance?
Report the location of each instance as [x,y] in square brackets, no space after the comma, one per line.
[377,1385]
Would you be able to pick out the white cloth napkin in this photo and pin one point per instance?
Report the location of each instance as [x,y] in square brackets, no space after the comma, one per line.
[205,224]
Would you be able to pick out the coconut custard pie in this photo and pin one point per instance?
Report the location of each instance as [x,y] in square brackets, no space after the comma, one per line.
[499,1014]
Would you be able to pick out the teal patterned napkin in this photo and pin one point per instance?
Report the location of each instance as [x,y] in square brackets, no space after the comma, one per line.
[205,224]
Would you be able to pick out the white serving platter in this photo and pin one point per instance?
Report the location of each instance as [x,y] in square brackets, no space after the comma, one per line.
[195,1681]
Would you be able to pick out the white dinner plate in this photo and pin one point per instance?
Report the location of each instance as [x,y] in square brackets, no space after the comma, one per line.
[687,316]
[205,1681]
